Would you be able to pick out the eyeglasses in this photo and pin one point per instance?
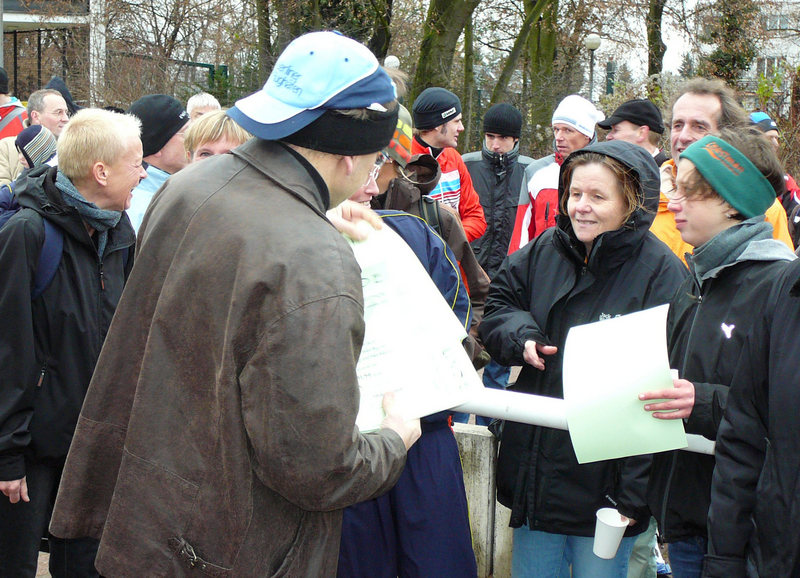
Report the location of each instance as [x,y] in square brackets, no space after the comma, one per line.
[376,168]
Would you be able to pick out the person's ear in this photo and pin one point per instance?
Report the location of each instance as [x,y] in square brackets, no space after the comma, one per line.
[100,173]
[349,164]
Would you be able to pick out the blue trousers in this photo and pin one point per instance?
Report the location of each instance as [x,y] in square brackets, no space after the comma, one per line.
[544,555]
[419,528]
[495,376]
[22,526]
[686,557]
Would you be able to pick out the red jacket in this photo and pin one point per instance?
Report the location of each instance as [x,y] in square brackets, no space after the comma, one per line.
[455,189]
[15,125]
[538,201]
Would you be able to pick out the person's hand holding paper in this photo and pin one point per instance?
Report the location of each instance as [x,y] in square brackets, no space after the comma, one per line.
[678,400]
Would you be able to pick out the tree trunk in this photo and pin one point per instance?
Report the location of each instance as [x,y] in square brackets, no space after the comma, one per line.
[266,58]
[500,89]
[469,112]
[655,44]
[445,21]
[381,36]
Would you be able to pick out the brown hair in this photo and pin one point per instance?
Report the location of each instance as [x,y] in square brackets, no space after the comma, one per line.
[751,143]
[731,112]
[628,179]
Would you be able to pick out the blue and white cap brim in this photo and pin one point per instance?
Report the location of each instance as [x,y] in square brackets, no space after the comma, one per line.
[317,72]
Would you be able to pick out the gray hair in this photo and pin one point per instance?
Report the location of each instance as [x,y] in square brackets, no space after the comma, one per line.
[202,100]
[36,99]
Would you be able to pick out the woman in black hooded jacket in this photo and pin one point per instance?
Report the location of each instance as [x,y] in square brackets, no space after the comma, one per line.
[599,261]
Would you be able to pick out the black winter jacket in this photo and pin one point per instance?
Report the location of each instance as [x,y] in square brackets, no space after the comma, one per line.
[709,321]
[498,180]
[540,292]
[48,347]
[755,493]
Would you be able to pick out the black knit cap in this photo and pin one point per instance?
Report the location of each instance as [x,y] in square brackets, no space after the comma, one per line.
[434,107]
[3,81]
[162,117]
[639,111]
[503,119]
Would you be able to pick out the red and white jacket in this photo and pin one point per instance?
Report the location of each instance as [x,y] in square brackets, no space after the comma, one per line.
[455,189]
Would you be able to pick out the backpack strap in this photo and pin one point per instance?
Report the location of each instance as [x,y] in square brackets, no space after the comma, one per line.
[49,258]
[18,110]
[429,210]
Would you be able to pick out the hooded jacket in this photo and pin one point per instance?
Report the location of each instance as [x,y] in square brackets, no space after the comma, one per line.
[49,345]
[404,195]
[218,436]
[710,319]
[454,187]
[755,493]
[537,205]
[540,292]
[498,180]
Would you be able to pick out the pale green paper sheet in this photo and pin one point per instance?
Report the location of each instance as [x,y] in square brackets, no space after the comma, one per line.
[412,341]
[606,365]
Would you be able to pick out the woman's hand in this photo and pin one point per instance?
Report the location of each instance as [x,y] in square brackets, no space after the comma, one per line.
[532,351]
[680,400]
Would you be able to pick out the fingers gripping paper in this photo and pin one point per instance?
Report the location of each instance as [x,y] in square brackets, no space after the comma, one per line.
[412,342]
[606,365]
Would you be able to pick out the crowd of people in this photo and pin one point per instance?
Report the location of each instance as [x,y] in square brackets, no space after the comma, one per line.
[182,318]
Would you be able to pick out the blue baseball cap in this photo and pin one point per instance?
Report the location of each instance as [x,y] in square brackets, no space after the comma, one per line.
[763,121]
[317,72]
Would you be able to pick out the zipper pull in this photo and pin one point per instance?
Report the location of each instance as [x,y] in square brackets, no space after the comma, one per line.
[102,278]
[41,377]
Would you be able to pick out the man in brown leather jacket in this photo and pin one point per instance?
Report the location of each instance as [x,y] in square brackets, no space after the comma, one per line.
[218,436]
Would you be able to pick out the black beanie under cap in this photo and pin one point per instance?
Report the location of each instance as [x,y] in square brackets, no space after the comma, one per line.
[435,106]
[342,134]
[162,117]
[503,119]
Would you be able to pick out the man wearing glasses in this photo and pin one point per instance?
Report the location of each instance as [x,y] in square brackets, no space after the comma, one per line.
[45,107]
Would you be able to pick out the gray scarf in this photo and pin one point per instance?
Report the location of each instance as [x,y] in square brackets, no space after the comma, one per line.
[101,220]
[727,246]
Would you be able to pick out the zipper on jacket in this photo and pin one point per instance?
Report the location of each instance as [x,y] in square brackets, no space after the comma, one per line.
[41,376]
[674,464]
[102,278]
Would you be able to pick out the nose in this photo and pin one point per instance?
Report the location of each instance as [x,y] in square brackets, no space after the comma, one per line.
[674,206]
[582,205]
[372,186]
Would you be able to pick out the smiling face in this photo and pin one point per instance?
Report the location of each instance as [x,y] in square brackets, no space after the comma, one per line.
[693,117]
[596,203]
[54,114]
[123,175]
[698,216]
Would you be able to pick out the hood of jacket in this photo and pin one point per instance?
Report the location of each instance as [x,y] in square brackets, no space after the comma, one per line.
[419,177]
[613,244]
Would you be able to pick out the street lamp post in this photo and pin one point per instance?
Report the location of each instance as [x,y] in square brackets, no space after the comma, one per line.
[592,42]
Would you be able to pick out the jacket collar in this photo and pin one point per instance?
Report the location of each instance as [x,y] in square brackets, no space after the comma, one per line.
[501,163]
[286,168]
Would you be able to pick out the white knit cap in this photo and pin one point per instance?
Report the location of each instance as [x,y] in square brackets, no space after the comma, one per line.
[578,113]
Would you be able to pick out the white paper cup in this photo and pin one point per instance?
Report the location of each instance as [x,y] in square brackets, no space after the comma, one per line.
[608,533]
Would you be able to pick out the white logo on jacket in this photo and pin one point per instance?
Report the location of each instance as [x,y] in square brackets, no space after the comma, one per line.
[727,329]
